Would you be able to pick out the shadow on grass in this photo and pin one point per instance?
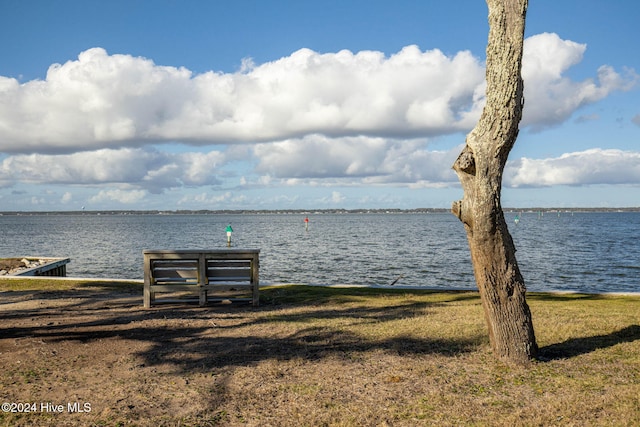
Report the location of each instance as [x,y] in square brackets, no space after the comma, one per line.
[312,325]
[578,346]
[304,294]
[564,296]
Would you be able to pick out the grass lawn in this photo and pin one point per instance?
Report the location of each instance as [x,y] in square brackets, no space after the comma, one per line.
[312,356]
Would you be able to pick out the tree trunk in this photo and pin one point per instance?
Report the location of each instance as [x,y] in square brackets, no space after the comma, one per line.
[479,168]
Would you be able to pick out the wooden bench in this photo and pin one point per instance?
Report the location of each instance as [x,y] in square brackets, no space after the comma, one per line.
[212,274]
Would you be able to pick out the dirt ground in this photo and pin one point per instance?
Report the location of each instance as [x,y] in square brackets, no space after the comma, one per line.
[85,357]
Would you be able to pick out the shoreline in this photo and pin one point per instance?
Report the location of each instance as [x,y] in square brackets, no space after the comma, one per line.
[311,211]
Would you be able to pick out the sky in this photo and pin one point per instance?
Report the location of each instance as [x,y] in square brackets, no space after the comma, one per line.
[349,104]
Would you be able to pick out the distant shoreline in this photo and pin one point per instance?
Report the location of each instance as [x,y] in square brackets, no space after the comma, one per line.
[307,211]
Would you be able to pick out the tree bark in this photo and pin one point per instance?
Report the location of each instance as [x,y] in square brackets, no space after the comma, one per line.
[480,167]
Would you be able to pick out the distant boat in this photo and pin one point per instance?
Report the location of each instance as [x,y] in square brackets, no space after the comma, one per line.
[517,219]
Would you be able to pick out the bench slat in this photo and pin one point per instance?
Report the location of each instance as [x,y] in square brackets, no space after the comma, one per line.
[227,272]
[176,288]
[212,263]
[176,272]
[175,263]
[228,287]
[176,280]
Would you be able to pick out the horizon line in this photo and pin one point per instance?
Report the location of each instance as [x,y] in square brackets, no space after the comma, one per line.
[311,210]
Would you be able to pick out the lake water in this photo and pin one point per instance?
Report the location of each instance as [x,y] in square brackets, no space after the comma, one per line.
[589,252]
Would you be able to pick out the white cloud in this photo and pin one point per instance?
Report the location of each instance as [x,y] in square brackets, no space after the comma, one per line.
[356,159]
[336,198]
[147,168]
[320,156]
[226,200]
[550,97]
[595,166]
[110,101]
[313,161]
[90,103]
[66,197]
[118,195]
[346,119]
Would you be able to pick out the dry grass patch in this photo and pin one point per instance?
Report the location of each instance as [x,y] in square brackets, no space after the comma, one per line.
[44,284]
[312,356]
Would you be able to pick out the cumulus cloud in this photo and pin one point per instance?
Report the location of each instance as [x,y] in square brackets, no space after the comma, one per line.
[595,166]
[309,118]
[358,159]
[66,197]
[118,195]
[102,100]
[110,101]
[214,201]
[336,198]
[551,97]
[147,168]
[315,160]
[320,156]
[91,102]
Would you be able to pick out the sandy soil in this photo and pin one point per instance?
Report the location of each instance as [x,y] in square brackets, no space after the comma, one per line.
[103,354]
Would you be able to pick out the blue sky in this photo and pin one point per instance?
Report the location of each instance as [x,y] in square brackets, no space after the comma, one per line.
[305,104]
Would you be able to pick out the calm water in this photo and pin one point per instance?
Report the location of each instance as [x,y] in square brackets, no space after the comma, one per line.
[591,252]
